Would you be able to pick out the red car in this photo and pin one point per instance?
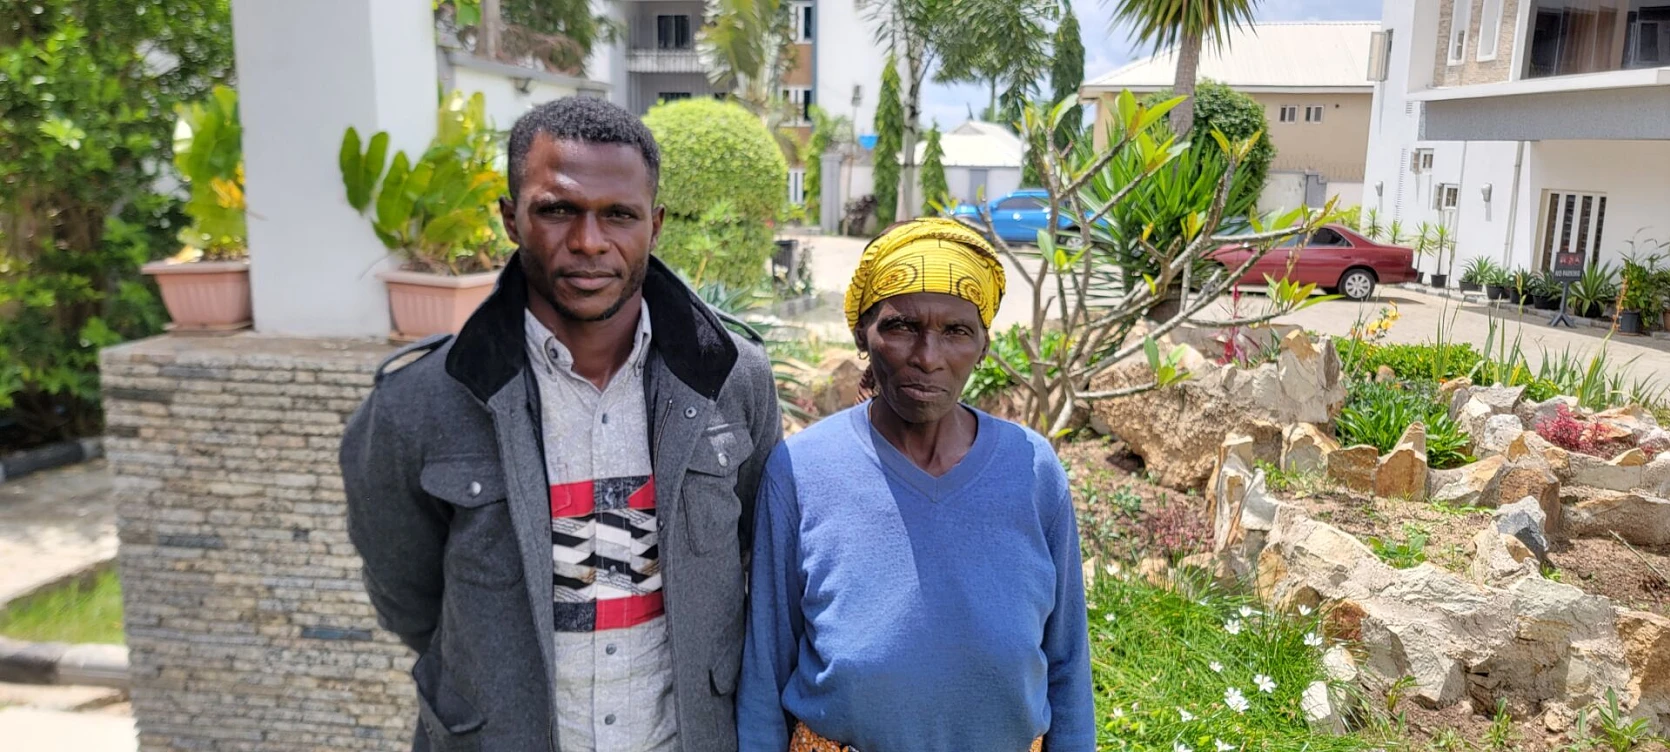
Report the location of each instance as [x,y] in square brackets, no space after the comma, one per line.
[1337,259]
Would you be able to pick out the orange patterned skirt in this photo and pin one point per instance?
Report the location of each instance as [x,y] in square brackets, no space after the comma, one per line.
[807,741]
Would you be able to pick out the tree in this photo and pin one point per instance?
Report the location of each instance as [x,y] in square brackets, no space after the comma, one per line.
[1238,116]
[1067,74]
[749,48]
[889,144]
[913,31]
[1185,25]
[934,188]
[1003,45]
[827,131]
[558,33]
[88,90]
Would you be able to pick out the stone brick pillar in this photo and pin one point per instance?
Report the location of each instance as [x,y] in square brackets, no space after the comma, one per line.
[248,625]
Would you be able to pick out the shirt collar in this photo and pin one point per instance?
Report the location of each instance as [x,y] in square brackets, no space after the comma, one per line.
[553,355]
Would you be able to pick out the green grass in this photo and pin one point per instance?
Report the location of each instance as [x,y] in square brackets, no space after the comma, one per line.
[1166,653]
[83,611]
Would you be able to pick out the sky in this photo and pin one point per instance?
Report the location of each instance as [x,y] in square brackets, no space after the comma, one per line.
[1106,50]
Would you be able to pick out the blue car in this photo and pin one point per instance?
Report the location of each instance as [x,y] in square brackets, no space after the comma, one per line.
[1016,217]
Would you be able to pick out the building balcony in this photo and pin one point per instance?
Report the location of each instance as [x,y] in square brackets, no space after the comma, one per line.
[1614,105]
[664,61]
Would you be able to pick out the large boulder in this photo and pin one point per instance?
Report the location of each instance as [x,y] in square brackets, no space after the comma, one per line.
[1526,521]
[1637,518]
[1354,466]
[1500,559]
[1622,473]
[840,391]
[1177,430]
[1565,649]
[1305,449]
[1498,432]
[1401,474]
[1477,484]
[1655,477]
[1436,627]
[1529,476]
[1646,639]
[1473,407]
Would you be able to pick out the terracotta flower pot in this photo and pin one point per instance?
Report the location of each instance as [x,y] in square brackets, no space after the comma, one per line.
[204,296]
[427,304]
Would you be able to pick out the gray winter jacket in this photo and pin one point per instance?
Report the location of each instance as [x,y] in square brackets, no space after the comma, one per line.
[449,507]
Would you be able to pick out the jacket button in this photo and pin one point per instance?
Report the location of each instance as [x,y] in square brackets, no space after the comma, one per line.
[475,488]
[689,412]
[609,720]
[724,461]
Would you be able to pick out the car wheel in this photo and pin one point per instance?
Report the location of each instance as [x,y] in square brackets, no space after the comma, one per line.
[1357,284]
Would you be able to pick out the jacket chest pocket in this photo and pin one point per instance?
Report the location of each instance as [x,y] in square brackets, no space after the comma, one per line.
[711,507]
[481,544]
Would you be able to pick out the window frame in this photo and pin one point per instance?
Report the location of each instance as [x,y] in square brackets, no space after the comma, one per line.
[1442,194]
[1489,17]
[672,42]
[1461,22]
[801,114]
[1316,108]
[1288,113]
[805,22]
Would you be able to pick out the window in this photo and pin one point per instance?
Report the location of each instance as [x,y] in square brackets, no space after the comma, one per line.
[1021,203]
[1422,161]
[1572,223]
[1313,114]
[1446,196]
[1380,55]
[1589,36]
[1490,29]
[797,186]
[1326,238]
[802,21]
[672,32]
[1289,113]
[799,100]
[1461,17]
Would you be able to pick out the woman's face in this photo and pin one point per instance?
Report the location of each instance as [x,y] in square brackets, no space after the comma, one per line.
[922,348]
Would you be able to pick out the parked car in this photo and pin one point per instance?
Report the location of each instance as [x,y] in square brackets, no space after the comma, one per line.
[1017,217]
[1336,258]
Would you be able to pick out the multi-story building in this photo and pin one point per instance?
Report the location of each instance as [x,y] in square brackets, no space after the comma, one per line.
[1311,79]
[837,63]
[1530,127]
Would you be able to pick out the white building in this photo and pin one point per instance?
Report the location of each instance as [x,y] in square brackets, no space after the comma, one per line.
[981,160]
[1529,126]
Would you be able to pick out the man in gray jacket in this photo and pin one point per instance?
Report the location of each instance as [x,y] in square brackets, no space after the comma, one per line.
[554,507]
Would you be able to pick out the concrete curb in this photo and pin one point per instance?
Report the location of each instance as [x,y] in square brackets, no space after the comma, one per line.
[19,464]
[58,663]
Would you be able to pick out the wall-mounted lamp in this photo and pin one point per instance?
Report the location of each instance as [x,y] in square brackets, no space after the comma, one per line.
[1484,191]
[523,84]
[1380,188]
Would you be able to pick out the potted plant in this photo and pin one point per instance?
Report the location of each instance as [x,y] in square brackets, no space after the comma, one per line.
[1519,287]
[1496,284]
[1442,246]
[437,214]
[1479,270]
[1545,292]
[1639,299]
[1592,295]
[205,287]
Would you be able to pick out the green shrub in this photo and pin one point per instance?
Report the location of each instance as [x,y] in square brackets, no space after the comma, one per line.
[1428,362]
[1378,414]
[1238,116]
[723,180]
[989,378]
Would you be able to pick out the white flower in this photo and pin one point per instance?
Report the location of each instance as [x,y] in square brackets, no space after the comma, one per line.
[1180,747]
[1246,612]
[1119,712]
[1222,746]
[1090,606]
[1265,683]
[1186,715]
[1304,610]
[1217,668]
[1233,626]
[1235,700]
[1313,640]
[1109,617]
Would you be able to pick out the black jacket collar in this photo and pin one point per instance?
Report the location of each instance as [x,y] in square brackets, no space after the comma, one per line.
[492,347]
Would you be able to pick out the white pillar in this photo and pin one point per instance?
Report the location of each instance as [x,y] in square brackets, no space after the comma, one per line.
[308,69]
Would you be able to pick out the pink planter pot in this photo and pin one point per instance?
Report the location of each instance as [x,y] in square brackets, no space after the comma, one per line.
[427,304]
[204,296]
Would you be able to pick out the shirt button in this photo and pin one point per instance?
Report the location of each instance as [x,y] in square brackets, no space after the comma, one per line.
[689,412]
[475,489]
[609,650]
[609,720]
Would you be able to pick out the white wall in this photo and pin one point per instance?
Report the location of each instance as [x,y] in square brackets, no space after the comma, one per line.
[373,66]
[846,54]
[1349,194]
[1282,192]
[505,103]
[1634,175]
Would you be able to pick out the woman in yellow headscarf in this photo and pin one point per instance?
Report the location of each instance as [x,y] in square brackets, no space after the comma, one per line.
[916,578]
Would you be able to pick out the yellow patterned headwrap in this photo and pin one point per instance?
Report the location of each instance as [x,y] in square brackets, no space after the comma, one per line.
[932,254]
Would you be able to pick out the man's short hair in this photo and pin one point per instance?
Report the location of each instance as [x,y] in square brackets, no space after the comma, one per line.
[587,120]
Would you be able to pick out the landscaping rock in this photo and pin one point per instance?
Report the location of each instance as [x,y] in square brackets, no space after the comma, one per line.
[1565,648]
[1472,415]
[1530,477]
[1622,473]
[1482,403]
[1385,375]
[1304,554]
[1448,390]
[1155,571]
[1340,665]
[1526,521]
[1498,433]
[840,391]
[1642,520]
[1401,474]
[1177,430]
[1500,559]
[1634,420]
[1655,477]
[1501,399]
[1305,449]
[1240,501]
[1220,567]
[1646,640]
[1478,484]
[1354,467]
[1319,708]
[1436,627]
[1534,413]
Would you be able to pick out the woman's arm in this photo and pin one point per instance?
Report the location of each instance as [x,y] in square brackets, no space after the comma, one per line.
[1067,642]
[774,618]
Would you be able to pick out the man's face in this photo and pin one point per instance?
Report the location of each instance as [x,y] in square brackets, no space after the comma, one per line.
[923,346]
[586,221]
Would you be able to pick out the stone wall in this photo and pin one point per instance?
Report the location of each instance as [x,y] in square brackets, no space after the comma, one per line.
[1470,70]
[247,623]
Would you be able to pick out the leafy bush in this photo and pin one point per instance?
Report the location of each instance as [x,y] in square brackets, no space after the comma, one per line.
[1378,414]
[1193,668]
[1571,433]
[85,129]
[989,378]
[1428,362]
[1237,116]
[890,135]
[210,156]
[717,155]
[439,213]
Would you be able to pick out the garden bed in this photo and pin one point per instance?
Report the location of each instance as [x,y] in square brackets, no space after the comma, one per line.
[1122,514]
[1402,533]
[1603,566]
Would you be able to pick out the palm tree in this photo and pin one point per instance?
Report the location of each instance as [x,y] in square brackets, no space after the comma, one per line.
[1184,25]
[749,48]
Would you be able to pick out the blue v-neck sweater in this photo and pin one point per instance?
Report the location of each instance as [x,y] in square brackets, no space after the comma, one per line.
[897,612]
